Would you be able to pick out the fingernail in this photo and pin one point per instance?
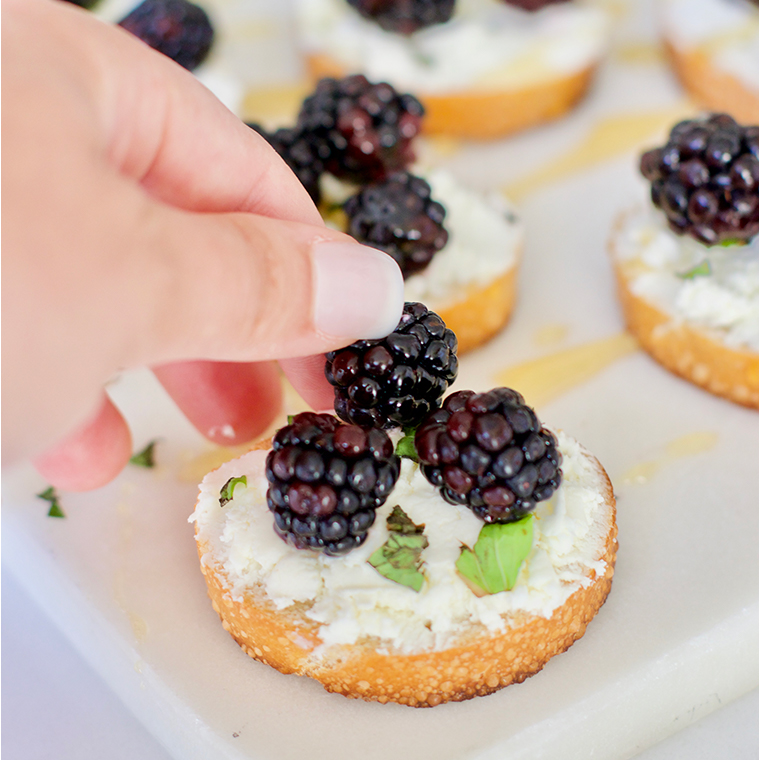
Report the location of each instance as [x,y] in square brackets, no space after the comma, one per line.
[359,291]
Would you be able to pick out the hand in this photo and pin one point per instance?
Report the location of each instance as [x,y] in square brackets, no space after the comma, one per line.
[145,224]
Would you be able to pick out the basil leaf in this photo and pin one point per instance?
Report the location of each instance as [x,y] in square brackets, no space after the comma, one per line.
[145,458]
[399,558]
[405,447]
[492,565]
[50,495]
[701,270]
[228,489]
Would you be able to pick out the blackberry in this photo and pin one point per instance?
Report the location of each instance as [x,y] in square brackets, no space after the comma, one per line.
[705,179]
[299,153]
[404,16]
[362,130]
[176,28]
[533,5]
[398,216]
[326,481]
[489,451]
[399,380]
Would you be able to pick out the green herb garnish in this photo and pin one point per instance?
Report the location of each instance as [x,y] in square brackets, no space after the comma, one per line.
[701,270]
[145,458]
[405,447]
[492,565]
[399,558]
[732,242]
[228,489]
[50,495]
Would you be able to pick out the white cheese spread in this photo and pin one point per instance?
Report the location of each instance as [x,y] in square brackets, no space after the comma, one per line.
[725,30]
[351,600]
[486,45]
[485,239]
[724,299]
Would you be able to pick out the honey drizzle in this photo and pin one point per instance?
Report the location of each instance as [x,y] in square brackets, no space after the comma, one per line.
[607,139]
[544,379]
[679,448]
[274,105]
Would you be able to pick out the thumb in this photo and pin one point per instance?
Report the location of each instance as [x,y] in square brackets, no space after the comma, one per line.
[246,287]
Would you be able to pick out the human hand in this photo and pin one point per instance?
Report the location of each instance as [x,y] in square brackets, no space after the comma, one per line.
[145,224]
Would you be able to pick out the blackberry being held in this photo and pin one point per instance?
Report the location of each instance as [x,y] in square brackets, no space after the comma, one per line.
[398,216]
[300,153]
[489,451]
[404,16]
[326,481]
[705,179]
[178,29]
[362,131]
[399,380]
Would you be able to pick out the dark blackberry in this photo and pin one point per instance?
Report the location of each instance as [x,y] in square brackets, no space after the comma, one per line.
[176,28]
[489,451]
[533,5]
[326,479]
[398,216]
[399,380]
[362,131]
[705,179]
[404,16]
[299,152]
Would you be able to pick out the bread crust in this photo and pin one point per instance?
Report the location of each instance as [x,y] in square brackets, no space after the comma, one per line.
[711,87]
[477,663]
[484,114]
[697,355]
[483,311]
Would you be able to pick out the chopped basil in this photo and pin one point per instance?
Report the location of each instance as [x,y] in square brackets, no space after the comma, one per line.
[733,242]
[399,558]
[145,458]
[405,447]
[50,495]
[492,565]
[701,270]
[228,489]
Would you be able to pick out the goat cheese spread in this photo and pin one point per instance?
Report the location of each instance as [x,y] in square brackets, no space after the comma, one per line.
[351,600]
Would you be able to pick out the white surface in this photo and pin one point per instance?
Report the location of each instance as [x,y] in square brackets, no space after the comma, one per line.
[676,639]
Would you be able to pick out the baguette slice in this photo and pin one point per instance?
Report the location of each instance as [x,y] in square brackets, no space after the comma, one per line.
[696,353]
[473,660]
[484,113]
[712,88]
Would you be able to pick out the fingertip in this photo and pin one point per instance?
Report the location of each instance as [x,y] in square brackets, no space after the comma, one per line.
[307,375]
[91,456]
[228,402]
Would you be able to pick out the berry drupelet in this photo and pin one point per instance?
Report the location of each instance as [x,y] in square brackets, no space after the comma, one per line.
[398,216]
[326,481]
[488,451]
[705,179]
[399,380]
[178,29]
[300,153]
[362,131]
[404,16]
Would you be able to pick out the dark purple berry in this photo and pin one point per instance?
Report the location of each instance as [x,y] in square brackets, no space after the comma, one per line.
[361,131]
[705,179]
[404,16]
[299,151]
[489,451]
[396,381]
[326,481]
[398,216]
[178,29]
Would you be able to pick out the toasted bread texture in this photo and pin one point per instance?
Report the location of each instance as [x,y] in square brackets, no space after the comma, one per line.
[475,662]
[712,88]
